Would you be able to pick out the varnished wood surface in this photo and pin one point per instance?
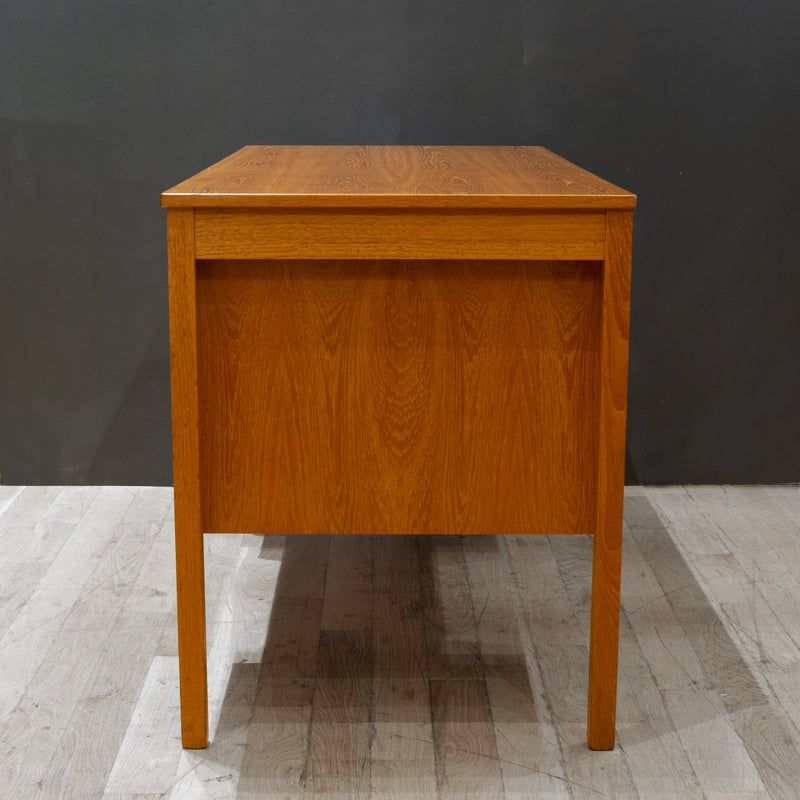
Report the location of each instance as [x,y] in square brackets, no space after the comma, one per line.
[400,409]
[186,470]
[613,403]
[398,396]
[270,234]
[396,176]
[466,658]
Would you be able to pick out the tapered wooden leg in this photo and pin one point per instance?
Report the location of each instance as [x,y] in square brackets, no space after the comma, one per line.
[603,647]
[191,634]
[604,638]
[186,474]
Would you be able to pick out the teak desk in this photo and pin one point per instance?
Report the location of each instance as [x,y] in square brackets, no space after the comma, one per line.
[399,340]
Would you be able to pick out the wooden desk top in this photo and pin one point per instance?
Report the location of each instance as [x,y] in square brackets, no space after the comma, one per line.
[396,177]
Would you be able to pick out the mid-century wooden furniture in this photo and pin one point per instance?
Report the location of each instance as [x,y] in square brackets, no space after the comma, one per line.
[399,340]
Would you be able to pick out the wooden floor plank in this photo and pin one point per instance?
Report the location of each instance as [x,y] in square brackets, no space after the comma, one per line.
[45,666]
[150,755]
[401,750]
[467,762]
[276,757]
[681,517]
[8,494]
[451,636]
[465,748]
[400,666]
[399,634]
[657,760]
[32,532]
[69,606]
[88,749]
[695,663]
[561,646]
[138,796]
[340,737]
[527,745]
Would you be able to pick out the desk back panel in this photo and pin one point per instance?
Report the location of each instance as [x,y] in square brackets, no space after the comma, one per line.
[384,396]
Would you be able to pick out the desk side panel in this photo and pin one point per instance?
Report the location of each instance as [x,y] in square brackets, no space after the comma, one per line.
[399,396]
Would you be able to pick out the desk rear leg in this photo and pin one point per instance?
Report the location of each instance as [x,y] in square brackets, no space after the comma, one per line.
[604,639]
[191,634]
[186,472]
[604,647]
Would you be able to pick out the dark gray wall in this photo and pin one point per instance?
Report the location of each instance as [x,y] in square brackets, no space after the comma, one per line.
[694,106]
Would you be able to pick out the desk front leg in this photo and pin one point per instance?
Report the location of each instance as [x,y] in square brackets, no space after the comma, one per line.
[604,638]
[190,571]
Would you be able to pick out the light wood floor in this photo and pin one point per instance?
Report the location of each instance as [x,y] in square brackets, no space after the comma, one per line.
[400,667]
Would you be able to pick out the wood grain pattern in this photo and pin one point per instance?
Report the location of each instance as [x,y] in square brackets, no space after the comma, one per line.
[610,475]
[683,665]
[398,397]
[78,533]
[32,533]
[400,340]
[708,700]
[527,745]
[402,753]
[397,177]
[392,234]
[463,738]
[8,494]
[277,750]
[61,634]
[186,469]
[97,727]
